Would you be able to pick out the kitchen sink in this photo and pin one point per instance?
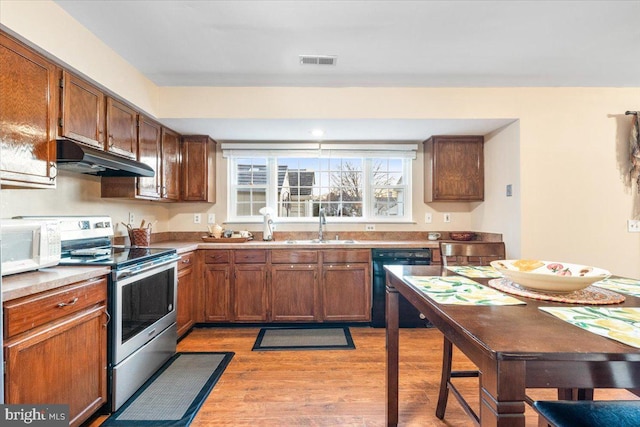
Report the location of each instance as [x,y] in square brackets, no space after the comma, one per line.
[316,241]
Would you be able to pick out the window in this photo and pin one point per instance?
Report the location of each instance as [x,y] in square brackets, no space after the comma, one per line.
[353,185]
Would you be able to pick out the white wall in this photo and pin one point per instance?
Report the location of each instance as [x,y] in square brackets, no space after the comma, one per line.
[77,194]
[573,193]
[499,213]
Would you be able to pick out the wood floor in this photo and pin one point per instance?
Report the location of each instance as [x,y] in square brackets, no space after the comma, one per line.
[333,387]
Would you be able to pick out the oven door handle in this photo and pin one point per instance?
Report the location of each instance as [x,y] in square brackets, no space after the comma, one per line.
[123,274]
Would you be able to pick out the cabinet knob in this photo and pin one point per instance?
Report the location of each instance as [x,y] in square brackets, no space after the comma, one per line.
[186,261]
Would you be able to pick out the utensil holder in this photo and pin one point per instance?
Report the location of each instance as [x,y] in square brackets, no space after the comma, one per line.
[140,236]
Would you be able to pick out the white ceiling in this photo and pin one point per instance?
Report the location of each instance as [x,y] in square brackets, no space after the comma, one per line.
[377,43]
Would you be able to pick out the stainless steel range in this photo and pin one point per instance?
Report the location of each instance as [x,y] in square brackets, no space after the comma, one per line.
[142,334]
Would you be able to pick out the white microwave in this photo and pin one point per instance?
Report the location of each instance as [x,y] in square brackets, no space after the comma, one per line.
[28,244]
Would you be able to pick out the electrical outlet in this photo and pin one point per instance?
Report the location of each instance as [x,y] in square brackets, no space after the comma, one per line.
[509,190]
[132,219]
[447,217]
[211,219]
[633,226]
[369,227]
[428,218]
[197,218]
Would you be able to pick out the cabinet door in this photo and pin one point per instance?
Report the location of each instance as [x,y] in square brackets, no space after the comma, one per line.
[170,165]
[346,290]
[217,297]
[198,169]
[185,315]
[28,112]
[121,129]
[294,292]
[149,151]
[83,111]
[64,362]
[454,167]
[250,292]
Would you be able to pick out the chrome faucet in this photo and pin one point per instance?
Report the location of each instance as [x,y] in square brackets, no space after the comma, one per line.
[323,221]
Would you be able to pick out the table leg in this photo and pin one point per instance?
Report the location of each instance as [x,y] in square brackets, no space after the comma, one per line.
[502,394]
[393,343]
[575,394]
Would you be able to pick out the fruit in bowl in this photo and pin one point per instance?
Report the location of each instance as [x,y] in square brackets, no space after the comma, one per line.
[549,276]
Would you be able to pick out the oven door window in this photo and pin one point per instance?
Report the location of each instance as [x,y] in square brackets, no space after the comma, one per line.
[145,301]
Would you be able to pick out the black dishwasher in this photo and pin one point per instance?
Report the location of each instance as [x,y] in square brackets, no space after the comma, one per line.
[410,317]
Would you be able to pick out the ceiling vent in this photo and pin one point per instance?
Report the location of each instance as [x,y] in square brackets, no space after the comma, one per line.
[318,59]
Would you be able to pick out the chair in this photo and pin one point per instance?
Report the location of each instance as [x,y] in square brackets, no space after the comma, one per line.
[584,413]
[462,253]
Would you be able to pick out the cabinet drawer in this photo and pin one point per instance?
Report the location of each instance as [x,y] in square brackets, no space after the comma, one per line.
[34,310]
[186,260]
[293,256]
[216,256]
[354,255]
[250,256]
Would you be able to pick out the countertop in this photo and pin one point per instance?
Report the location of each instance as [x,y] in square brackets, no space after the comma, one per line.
[23,284]
[183,246]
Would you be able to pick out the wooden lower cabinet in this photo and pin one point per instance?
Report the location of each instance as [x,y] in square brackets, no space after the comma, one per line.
[250,293]
[217,285]
[346,285]
[294,292]
[346,292]
[217,293]
[60,356]
[287,285]
[185,312]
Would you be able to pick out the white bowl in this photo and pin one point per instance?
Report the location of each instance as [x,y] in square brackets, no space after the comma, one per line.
[549,276]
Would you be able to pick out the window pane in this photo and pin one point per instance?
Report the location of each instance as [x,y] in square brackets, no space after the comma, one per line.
[250,200]
[388,202]
[345,179]
[299,186]
[250,186]
[251,171]
[297,180]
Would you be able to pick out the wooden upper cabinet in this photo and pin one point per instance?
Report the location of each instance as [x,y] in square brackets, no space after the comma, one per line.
[198,169]
[28,113]
[82,111]
[149,153]
[121,129]
[170,165]
[454,168]
[159,148]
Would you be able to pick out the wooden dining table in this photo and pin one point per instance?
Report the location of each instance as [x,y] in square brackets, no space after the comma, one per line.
[515,347]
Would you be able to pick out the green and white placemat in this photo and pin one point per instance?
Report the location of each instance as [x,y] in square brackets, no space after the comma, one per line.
[620,323]
[483,271]
[459,290]
[626,286]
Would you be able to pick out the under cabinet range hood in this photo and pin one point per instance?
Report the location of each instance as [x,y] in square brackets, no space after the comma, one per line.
[79,158]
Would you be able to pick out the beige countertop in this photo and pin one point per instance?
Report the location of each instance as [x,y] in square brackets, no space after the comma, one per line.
[23,284]
[183,246]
